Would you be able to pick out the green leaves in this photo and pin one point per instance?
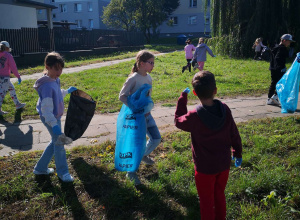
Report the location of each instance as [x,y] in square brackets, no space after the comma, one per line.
[142,15]
[245,20]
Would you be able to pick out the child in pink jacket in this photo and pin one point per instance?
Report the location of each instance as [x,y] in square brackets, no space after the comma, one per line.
[8,65]
[189,48]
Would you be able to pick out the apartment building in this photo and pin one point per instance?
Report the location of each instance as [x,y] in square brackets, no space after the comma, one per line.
[85,13]
[188,19]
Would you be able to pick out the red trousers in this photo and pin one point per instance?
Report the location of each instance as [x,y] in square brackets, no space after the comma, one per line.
[200,65]
[211,194]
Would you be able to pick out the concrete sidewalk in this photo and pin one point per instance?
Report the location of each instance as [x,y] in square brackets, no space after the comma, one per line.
[32,134]
[81,68]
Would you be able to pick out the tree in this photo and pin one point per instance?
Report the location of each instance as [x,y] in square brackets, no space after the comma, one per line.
[143,15]
[242,21]
[120,14]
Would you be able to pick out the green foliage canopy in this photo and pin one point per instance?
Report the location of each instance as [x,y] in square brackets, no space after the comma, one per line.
[242,21]
[120,14]
[141,15]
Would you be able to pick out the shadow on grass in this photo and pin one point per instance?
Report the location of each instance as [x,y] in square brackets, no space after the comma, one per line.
[66,193]
[191,202]
[121,201]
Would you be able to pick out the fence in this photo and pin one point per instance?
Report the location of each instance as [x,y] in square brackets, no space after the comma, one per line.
[35,40]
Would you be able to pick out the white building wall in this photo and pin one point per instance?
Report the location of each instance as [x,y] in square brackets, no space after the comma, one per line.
[183,13]
[84,16]
[17,17]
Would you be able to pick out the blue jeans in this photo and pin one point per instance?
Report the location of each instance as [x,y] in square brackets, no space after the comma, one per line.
[58,151]
[153,134]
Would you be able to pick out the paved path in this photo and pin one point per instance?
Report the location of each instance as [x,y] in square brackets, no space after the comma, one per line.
[32,135]
[81,68]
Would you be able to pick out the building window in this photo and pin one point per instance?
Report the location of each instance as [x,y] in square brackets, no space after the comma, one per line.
[53,15]
[91,23]
[52,0]
[193,3]
[79,23]
[63,8]
[77,7]
[192,20]
[90,6]
[174,20]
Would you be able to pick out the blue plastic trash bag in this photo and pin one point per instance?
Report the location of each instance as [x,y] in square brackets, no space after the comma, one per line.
[140,101]
[131,130]
[288,87]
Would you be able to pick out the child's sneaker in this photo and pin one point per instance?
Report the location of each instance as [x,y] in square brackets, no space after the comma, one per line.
[20,105]
[273,100]
[133,177]
[3,112]
[270,101]
[148,160]
[66,178]
[49,171]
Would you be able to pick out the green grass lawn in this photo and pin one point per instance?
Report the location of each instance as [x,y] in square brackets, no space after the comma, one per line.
[234,77]
[27,70]
[266,187]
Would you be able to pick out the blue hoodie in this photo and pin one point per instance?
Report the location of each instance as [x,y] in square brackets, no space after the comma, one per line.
[200,53]
[50,104]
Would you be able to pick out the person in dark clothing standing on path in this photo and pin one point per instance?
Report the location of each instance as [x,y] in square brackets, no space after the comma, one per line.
[213,133]
[277,66]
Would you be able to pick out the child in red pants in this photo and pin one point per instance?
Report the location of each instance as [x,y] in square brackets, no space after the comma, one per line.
[213,132]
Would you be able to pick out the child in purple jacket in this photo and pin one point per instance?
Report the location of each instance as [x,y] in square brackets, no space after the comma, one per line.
[50,107]
[213,132]
[200,53]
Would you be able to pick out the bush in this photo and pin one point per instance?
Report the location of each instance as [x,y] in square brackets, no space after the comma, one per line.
[231,46]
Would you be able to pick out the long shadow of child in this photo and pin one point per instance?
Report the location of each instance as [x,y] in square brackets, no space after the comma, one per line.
[11,134]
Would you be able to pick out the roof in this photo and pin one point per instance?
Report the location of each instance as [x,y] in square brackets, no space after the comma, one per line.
[34,4]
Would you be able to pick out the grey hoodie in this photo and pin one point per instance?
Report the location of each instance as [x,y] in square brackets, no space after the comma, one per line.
[200,53]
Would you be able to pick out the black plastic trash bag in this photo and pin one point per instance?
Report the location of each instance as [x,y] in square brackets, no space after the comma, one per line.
[265,54]
[194,61]
[79,115]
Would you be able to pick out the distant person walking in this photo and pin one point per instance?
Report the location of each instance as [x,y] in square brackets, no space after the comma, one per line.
[189,48]
[277,66]
[258,46]
[200,53]
[8,65]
